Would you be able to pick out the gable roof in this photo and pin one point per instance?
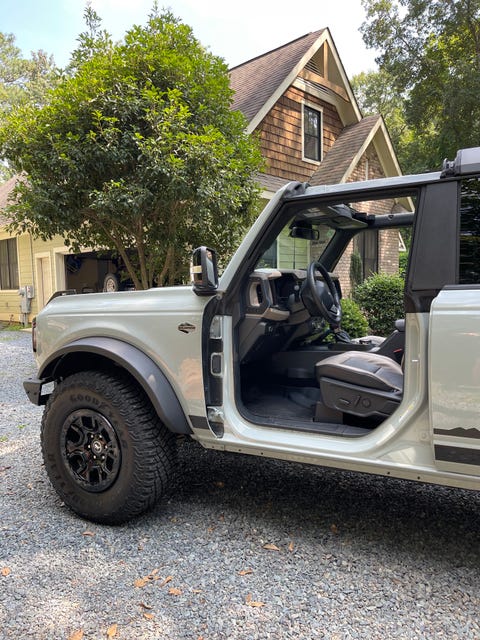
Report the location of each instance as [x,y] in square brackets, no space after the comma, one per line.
[260,82]
[339,163]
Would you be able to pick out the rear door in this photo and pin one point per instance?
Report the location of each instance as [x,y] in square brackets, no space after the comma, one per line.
[454,379]
[454,348]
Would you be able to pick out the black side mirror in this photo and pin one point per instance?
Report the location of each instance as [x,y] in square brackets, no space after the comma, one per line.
[204,271]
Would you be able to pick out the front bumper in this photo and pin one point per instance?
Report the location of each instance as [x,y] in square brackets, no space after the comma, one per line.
[33,388]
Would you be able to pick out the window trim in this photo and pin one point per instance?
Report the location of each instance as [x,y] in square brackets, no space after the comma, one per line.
[319,109]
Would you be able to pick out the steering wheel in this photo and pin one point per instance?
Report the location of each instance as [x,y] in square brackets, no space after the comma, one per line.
[320,297]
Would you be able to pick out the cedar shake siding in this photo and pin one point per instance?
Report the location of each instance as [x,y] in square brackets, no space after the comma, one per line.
[281,135]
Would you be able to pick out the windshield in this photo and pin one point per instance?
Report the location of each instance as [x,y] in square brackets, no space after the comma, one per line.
[287,252]
[309,234]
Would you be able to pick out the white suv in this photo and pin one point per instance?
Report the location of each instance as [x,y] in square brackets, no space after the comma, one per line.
[244,363]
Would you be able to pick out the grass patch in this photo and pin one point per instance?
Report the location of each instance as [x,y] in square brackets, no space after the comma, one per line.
[11,326]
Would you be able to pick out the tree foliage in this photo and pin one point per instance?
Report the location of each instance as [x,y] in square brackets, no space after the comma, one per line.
[376,93]
[137,151]
[431,50]
[22,80]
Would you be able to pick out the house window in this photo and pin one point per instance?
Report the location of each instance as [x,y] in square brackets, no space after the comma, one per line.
[312,134]
[8,264]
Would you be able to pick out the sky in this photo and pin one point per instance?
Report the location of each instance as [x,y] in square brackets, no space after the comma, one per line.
[236,31]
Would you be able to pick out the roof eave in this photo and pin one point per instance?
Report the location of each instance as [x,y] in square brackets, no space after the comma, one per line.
[380,138]
[325,36]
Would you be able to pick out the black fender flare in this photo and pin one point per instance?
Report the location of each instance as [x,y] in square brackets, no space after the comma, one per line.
[140,366]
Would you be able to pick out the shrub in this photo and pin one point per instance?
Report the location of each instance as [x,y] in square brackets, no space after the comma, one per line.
[356,270]
[381,298]
[402,263]
[353,320]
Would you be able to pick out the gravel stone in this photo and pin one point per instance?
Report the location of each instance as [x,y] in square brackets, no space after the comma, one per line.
[360,557]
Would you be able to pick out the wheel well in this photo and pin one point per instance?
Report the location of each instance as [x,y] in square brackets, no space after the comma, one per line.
[84,361]
[110,355]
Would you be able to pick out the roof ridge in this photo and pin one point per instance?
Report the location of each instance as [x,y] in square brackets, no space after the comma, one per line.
[282,46]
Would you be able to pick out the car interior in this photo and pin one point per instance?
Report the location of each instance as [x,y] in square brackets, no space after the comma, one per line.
[298,368]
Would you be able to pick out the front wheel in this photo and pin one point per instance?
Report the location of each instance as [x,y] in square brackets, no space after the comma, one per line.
[106,452]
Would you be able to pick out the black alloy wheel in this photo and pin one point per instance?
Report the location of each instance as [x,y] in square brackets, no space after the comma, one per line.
[107,453]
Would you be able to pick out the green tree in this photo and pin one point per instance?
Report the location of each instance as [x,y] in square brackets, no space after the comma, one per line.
[376,93]
[137,151]
[432,51]
[22,80]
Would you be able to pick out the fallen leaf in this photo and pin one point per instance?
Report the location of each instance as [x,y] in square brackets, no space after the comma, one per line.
[144,606]
[76,635]
[290,546]
[253,603]
[173,591]
[141,582]
[167,580]
[245,572]
[219,484]
[334,528]
[271,547]
[197,590]
[88,533]
[6,571]
[112,631]
[149,616]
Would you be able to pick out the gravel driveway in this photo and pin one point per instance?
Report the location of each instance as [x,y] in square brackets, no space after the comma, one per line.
[245,548]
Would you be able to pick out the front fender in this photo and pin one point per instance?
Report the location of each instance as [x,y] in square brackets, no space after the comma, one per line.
[87,351]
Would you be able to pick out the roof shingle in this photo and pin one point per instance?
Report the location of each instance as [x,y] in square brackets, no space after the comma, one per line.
[336,163]
[5,190]
[255,81]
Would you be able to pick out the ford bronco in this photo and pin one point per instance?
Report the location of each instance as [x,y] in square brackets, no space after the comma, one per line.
[256,361]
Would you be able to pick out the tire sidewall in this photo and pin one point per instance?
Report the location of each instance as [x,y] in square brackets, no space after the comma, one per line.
[66,399]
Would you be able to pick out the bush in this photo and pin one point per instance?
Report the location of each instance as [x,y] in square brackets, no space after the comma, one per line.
[356,270]
[353,320]
[402,263]
[381,298]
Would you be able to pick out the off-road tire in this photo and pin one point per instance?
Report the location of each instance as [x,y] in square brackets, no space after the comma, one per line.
[97,412]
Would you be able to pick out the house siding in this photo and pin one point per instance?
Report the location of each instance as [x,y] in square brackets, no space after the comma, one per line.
[9,298]
[29,251]
[280,134]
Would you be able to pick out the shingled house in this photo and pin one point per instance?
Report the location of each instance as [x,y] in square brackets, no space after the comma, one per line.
[299,101]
